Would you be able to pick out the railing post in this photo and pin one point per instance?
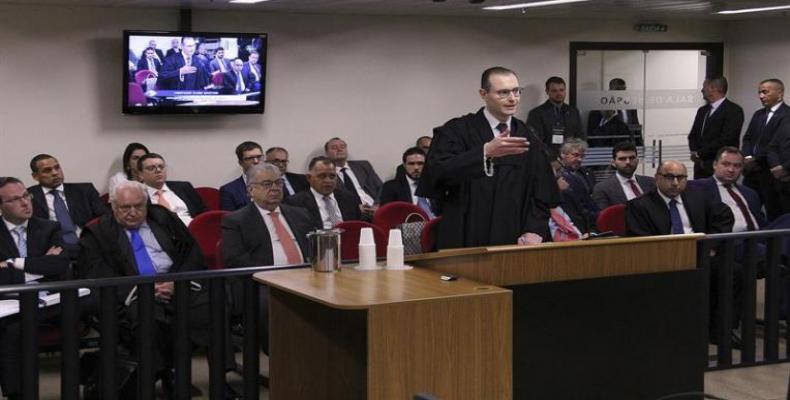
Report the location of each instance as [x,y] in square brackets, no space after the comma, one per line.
[251,339]
[70,345]
[108,341]
[146,338]
[749,276]
[216,352]
[182,347]
[724,308]
[772,298]
[28,309]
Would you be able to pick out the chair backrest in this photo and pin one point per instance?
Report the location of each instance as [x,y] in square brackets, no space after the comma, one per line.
[218,79]
[136,95]
[428,235]
[210,197]
[141,75]
[612,218]
[205,228]
[349,239]
[395,213]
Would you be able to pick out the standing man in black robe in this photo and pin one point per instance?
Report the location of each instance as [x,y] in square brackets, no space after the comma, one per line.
[489,173]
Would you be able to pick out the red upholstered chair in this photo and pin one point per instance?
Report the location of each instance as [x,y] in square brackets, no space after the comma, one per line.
[218,79]
[395,213]
[428,235]
[93,221]
[210,197]
[136,95]
[349,239]
[206,231]
[141,75]
[612,218]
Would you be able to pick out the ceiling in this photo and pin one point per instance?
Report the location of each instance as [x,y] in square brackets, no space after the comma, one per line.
[609,9]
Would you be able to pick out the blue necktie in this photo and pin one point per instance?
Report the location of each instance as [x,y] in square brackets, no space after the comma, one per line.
[674,215]
[21,242]
[144,264]
[62,215]
[423,203]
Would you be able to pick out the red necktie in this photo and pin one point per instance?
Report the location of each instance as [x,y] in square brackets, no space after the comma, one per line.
[292,253]
[742,206]
[634,188]
[565,231]
[503,129]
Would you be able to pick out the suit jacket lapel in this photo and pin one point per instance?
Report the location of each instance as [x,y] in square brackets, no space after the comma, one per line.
[482,127]
[7,246]
[40,208]
[663,220]
[295,228]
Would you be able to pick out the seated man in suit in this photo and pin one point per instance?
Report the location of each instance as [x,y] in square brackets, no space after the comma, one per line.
[567,221]
[30,250]
[139,238]
[581,181]
[70,204]
[292,183]
[177,196]
[402,188]
[252,71]
[624,185]
[266,232]
[555,121]
[150,61]
[326,203]
[219,63]
[356,176]
[234,81]
[233,195]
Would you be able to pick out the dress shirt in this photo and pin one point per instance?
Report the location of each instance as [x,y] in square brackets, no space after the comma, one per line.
[176,204]
[151,64]
[162,262]
[681,209]
[629,193]
[715,105]
[19,262]
[51,205]
[325,220]
[553,225]
[413,189]
[772,111]
[740,224]
[278,252]
[488,167]
[287,185]
[363,195]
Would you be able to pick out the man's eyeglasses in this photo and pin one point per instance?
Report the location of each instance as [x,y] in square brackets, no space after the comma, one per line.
[252,158]
[26,196]
[505,93]
[671,177]
[154,168]
[126,208]
[269,184]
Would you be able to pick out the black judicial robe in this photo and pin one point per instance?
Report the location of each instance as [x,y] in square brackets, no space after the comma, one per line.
[478,210]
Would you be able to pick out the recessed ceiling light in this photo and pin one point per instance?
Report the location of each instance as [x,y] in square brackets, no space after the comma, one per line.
[532,4]
[751,10]
[247,1]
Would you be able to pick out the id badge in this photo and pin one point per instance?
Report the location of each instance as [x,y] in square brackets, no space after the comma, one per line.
[558,135]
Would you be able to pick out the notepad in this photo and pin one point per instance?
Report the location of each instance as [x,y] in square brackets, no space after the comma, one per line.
[11,307]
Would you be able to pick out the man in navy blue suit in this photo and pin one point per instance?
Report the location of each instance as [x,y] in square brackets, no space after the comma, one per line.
[233,195]
[234,81]
[184,70]
[150,61]
[742,200]
[580,179]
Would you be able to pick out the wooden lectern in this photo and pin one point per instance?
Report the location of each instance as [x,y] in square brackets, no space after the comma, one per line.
[386,335]
[602,319]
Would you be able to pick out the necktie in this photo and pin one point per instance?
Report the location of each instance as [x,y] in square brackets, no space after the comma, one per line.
[674,216]
[742,206]
[634,188]
[64,218]
[161,200]
[557,112]
[423,203]
[144,264]
[151,65]
[763,123]
[565,231]
[292,253]
[238,82]
[331,211]
[503,129]
[221,65]
[189,61]
[347,182]
[705,120]
[21,241]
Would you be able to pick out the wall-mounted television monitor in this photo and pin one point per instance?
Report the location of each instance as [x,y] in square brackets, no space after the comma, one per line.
[174,72]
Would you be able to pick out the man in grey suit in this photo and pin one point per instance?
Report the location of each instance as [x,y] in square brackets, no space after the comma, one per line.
[356,176]
[624,185]
[265,232]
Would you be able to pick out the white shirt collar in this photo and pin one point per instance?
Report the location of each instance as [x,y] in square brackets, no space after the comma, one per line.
[152,190]
[59,188]
[715,105]
[776,106]
[11,227]
[623,179]
[667,199]
[319,196]
[493,122]
[264,211]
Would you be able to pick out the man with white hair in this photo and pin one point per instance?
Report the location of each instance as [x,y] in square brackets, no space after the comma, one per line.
[139,238]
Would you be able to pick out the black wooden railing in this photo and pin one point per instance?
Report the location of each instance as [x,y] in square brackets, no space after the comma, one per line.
[106,291]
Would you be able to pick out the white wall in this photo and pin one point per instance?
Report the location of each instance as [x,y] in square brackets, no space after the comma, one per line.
[378,82]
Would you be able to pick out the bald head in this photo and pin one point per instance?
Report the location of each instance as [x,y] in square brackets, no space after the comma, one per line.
[671,178]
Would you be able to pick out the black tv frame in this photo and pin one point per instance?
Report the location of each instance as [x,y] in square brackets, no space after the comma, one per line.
[252,109]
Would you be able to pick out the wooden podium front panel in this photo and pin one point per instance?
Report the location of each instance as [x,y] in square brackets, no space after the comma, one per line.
[452,349]
[553,262]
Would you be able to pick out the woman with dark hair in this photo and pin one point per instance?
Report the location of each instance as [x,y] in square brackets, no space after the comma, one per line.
[131,154]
